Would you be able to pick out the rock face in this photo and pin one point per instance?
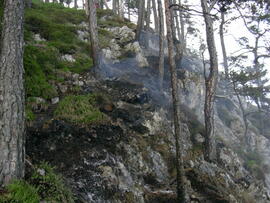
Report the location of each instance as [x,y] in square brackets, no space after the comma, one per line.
[130,158]
[123,44]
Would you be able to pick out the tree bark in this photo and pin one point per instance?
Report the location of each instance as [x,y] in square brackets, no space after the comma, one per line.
[161,44]
[114,6]
[121,9]
[75,4]
[182,37]
[156,20]
[94,35]
[140,23]
[244,116]
[12,93]
[181,181]
[87,8]
[148,15]
[28,3]
[210,84]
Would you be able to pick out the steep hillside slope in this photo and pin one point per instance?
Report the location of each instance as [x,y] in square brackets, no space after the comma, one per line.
[112,138]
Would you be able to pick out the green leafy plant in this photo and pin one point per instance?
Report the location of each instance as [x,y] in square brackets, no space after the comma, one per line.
[20,191]
[50,186]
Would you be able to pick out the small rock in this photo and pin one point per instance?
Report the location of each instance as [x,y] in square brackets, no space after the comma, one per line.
[68,58]
[55,100]
[38,38]
[79,83]
[41,171]
[199,138]
[63,88]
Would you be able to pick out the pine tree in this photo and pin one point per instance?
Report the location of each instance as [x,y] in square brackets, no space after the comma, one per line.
[12,93]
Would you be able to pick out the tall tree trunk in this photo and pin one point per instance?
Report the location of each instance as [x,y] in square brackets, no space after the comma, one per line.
[173,27]
[140,23]
[121,8]
[75,4]
[101,4]
[94,35]
[47,1]
[12,127]
[105,4]
[83,4]
[222,41]
[244,116]
[156,20]
[181,181]
[210,84]
[114,6]
[87,7]
[148,16]
[182,37]
[161,44]
[28,3]
[128,8]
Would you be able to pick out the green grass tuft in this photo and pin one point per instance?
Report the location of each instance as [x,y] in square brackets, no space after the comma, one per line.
[50,186]
[20,191]
[80,109]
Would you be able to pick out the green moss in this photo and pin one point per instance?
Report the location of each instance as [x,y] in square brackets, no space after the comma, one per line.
[50,186]
[80,109]
[82,63]
[39,64]
[29,115]
[20,191]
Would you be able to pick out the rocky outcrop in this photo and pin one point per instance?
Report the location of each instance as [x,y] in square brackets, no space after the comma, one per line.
[130,158]
[123,45]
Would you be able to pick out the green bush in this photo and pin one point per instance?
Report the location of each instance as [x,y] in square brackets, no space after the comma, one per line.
[20,192]
[80,109]
[50,186]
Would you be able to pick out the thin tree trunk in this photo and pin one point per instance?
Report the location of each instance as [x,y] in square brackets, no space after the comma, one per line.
[102,4]
[148,15]
[87,7]
[156,20]
[28,3]
[83,4]
[243,114]
[121,8]
[182,37]
[75,4]
[173,27]
[222,41]
[181,181]
[210,84]
[12,127]
[161,44]
[115,6]
[47,1]
[128,8]
[105,4]
[140,23]
[93,35]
